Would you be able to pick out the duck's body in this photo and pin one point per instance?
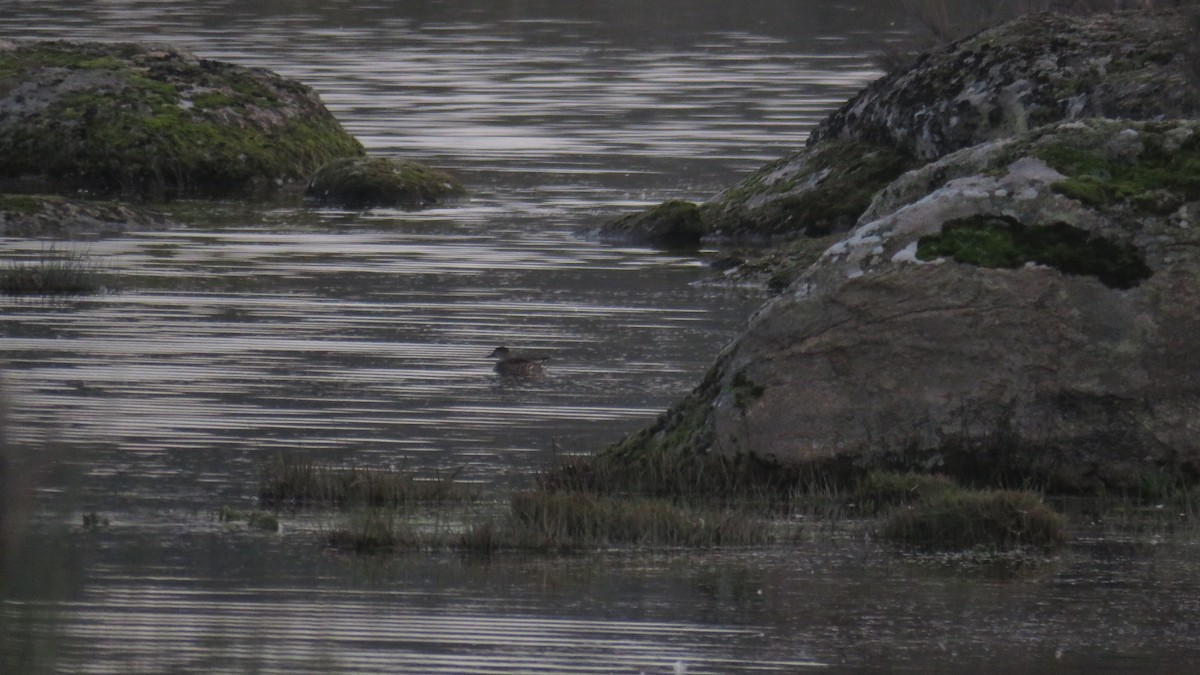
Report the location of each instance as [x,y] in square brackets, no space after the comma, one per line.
[511,365]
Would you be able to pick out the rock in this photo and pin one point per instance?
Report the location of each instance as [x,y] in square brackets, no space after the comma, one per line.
[361,182]
[1022,310]
[673,224]
[51,217]
[816,191]
[155,121]
[813,192]
[1033,71]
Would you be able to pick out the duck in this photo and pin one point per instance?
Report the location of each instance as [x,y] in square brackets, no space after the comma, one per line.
[509,364]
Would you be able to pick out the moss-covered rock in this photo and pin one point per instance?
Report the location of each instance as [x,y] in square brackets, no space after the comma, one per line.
[1000,241]
[154,121]
[361,182]
[817,191]
[811,193]
[672,224]
[52,217]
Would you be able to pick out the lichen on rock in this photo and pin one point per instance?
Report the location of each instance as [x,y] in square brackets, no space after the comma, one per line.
[155,121]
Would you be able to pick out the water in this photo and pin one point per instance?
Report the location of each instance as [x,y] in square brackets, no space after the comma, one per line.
[360,338]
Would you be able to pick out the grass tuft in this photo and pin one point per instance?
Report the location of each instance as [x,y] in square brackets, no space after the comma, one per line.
[53,273]
[300,482]
[965,519]
[372,531]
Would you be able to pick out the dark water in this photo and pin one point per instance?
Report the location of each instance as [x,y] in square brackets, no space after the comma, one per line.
[360,337]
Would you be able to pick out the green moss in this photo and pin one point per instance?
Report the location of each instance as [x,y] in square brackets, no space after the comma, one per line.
[1100,181]
[24,204]
[1000,241]
[212,99]
[744,390]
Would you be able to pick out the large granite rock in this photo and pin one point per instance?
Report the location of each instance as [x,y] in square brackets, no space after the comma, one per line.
[1022,74]
[154,121]
[1020,310]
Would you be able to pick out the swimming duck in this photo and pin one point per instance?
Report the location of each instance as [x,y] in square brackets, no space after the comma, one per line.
[511,365]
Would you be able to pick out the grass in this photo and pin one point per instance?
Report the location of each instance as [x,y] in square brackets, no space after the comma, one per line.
[54,272]
[965,519]
[373,530]
[300,482]
[574,521]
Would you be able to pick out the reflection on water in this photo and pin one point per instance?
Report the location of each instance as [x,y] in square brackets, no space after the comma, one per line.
[362,337]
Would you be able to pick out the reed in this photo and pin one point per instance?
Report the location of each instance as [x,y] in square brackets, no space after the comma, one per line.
[373,530]
[300,482]
[659,472]
[52,273]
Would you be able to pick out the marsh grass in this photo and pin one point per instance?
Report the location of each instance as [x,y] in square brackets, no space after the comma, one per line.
[374,530]
[54,272]
[564,521]
[300,482]
[689,478]
[965,519]
[881,490]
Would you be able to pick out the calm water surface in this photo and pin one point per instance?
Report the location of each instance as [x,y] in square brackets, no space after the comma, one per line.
[360,338]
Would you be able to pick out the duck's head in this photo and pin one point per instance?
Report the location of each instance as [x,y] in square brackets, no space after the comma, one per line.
[500,353]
